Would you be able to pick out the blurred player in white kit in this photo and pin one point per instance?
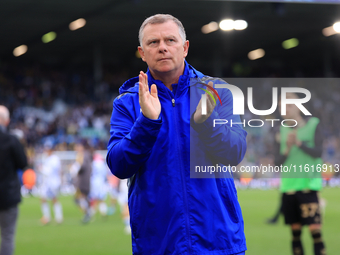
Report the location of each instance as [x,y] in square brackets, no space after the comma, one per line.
[123,202]
[51,181]
[119,190]
[99,185]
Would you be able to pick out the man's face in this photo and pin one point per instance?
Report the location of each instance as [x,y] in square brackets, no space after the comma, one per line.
[163,49]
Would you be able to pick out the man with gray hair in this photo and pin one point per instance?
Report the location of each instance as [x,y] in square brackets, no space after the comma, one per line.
[12,158]
[151,131]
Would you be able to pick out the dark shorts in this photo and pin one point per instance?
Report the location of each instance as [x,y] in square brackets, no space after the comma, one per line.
[301,207]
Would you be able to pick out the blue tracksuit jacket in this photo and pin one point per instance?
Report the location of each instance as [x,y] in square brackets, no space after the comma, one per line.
[171,213]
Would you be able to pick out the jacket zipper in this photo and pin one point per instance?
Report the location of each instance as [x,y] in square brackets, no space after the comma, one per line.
[183,180]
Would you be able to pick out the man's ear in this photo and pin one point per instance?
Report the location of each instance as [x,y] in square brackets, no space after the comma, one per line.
[186,48]
[141,53]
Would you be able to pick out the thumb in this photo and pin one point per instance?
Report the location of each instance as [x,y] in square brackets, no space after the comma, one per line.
[153,91]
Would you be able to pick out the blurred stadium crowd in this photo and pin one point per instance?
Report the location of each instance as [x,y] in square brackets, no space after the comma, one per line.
[64,107]
[58,106]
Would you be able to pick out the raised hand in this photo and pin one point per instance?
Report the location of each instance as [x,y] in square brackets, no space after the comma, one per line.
[291,140]
[198,117]
[148,100]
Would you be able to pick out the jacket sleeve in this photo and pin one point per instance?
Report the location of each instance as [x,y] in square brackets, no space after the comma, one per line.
[225,143]
[19,154]
[316,151]
[132,138]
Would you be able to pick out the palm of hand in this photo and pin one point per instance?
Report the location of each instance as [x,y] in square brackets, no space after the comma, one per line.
[210,105]
[148,100]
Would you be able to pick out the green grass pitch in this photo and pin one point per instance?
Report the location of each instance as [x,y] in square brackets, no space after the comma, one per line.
[106,236]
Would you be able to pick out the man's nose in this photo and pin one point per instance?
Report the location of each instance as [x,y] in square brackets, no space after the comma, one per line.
[162,47]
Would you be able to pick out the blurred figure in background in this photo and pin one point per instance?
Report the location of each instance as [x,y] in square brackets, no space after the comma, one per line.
[82,168]
[118,190]
[301,146]
[98,185]
[113,193]
[51,181]
[123,200]
[275,218]
[12,158]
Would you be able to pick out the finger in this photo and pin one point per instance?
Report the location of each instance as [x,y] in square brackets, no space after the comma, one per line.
[211,105]
[211,84]
[146,86]
[212,90]
[211,101]
[141,90]
[142,80]
[146,78]
[154,91]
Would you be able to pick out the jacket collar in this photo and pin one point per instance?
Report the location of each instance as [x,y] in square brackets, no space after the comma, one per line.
[183,81]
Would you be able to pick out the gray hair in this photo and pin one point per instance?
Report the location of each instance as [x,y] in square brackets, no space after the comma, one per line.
[159,19]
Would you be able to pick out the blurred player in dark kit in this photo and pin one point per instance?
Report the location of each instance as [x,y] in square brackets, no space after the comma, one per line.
[82,169]
[301,145]
[12,158]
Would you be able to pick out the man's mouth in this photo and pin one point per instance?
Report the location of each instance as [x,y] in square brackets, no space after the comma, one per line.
[163,59]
